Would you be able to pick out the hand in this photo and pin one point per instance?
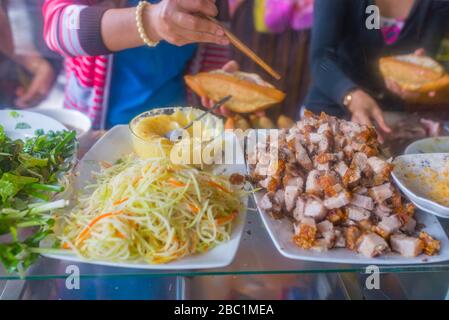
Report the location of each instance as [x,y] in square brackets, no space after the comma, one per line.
[177,22]
[364,109]
[41,83]
[394,87]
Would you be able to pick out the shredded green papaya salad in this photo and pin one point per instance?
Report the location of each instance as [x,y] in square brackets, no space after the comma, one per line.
[152,211]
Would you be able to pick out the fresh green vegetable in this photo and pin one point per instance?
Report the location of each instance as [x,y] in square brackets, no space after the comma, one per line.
[29,179]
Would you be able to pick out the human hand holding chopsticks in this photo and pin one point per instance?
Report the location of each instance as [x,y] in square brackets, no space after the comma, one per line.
[178,22]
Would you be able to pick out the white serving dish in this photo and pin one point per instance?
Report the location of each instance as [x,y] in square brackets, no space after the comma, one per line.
[34,120]
[429,145]
[407,172]
[281,233]
[72,119]
[115,144]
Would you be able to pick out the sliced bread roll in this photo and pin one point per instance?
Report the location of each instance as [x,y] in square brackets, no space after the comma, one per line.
[413,72]
[249,92]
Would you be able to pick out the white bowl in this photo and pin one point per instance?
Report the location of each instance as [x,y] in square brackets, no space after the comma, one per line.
[20,124]
[72,119]
[408,175]
[429,145]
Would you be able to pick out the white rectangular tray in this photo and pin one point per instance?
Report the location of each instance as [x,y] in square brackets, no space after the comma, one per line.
[115,144]
[281,233]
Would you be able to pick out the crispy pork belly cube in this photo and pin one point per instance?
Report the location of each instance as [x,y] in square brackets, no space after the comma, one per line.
[302,156]
[315,209]
[431,246]
[323,128]
[340,241]
[305,233]
[290,195]
[322,245]
[352,235]
[292,181]
[357,214]
[362,201]
[381,193]
[322,140]
[390,224]
[409,226]
[276,167]
[352,177]
[379,166]
[341,168]
[372,245]
[323,166]
[350,128]
[406,246]
[360,190]
[338,201]
[266,202]
[359,160]
[262,165]
[298,212]
[325,227]
[382,211]
[313,182]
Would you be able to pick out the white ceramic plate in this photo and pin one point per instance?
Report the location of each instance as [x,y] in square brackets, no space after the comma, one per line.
[429,145]
[409,172]
[117,144]
[13,120]
[281,233]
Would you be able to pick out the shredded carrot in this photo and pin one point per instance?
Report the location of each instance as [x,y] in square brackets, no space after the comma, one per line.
[176,183]
[193,208]
[120,235]
[120,201]
[224,220]
[65,245]
[105,164]
[86,231]
[218,186]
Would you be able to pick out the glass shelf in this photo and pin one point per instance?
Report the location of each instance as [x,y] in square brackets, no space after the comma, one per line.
[256,255]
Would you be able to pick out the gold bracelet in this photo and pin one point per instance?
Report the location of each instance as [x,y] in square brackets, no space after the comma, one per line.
[139,21]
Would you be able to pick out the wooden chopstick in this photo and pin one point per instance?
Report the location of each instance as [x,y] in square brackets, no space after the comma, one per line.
[242,47]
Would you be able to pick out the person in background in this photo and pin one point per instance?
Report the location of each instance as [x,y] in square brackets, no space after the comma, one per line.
[345,53]
[279,32]
[25,77]
[112,75]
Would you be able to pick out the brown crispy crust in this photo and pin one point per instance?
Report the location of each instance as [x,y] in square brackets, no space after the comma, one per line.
[247,97]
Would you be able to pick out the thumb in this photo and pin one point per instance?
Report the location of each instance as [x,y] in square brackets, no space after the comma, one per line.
[231,66]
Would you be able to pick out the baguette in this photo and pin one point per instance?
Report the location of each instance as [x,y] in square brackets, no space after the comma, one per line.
[249,92]
[413,72]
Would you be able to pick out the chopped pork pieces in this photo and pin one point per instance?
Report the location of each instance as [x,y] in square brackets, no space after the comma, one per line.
[328,177]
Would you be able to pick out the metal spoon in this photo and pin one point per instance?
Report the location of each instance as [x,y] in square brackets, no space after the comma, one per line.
[176,135]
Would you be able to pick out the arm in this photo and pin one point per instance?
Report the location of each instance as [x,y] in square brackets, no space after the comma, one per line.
[74,28]
[327,32]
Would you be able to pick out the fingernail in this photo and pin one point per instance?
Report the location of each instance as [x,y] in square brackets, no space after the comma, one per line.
[219,32]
